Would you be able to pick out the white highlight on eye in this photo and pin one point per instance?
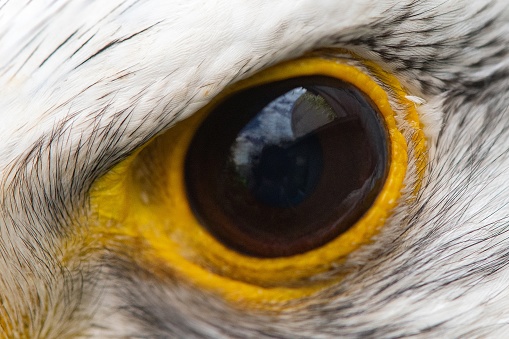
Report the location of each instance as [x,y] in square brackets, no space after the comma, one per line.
[416,100]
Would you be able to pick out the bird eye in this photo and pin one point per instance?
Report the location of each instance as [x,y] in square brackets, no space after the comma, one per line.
[283,168]
[261,195]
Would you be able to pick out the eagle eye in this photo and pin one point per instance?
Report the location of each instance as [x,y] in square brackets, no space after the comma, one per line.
[261,195]
[282,168]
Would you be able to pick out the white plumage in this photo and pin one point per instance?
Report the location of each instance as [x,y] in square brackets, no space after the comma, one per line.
[84,83]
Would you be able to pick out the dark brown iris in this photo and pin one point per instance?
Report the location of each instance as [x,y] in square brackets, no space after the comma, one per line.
[283,168]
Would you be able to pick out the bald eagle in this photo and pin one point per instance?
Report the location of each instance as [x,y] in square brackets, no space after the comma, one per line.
[300,169]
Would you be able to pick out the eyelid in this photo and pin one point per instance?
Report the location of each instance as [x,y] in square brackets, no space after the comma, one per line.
[195,255]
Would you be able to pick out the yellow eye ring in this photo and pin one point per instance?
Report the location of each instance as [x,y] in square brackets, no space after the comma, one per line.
[144,199]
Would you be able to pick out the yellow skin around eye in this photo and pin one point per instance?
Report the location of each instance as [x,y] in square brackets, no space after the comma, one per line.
[168,239]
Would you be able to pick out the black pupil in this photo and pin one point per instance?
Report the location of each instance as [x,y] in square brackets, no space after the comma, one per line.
[285,176]
[283,168]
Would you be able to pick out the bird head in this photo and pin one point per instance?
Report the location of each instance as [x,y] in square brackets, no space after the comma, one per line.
[254,169]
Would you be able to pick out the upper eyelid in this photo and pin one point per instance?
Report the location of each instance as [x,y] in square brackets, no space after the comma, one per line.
[88,99]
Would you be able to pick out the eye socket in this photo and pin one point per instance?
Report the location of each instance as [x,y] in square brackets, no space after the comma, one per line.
[284,167]
[146,208]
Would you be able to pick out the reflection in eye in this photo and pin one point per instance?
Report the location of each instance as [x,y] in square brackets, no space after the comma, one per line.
[298,162]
